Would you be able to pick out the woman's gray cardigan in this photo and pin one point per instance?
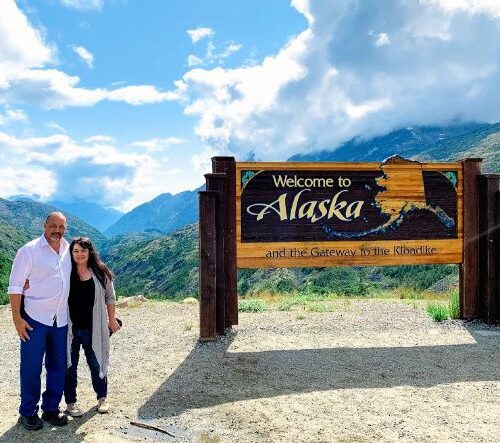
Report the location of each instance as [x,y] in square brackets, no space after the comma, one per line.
[104,295]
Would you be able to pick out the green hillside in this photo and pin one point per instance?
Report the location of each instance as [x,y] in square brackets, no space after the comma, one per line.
[29,217]
[11,238]
[448,143]
[165,266]
[22,221]
[152,267]
[153,264]
[5,265]
[482,142]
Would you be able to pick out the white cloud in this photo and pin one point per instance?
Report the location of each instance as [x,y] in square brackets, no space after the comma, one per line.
[200,33]
[56,126]
[26,181]
[57,167]
[13,115]
[231,49]
[139,95]
[303,7]
[490,7]
[25,77]
[382,40]
[99,173]
[99,139]
[368,107]
[20,44]
[83,5]
[202,162]
[85,55]
[157,144]
[331,82]
[54,89]
[194,61]
[212,56]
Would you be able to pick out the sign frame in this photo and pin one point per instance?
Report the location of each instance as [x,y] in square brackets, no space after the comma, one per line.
[352,252]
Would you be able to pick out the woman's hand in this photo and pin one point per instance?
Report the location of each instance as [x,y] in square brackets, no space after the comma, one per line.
[113,325]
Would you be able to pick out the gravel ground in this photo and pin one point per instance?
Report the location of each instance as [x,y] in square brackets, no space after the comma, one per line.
[371,370]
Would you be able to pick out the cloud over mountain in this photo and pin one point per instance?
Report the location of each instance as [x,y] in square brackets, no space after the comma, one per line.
[358,69]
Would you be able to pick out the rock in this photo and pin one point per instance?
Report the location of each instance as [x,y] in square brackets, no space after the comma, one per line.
[131,301]
[190,301]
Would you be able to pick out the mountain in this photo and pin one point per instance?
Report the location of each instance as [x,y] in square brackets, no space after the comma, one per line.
[10,240]
[454,142]
[23,220]
[168,265]
[165,266]
[481,142]
[147,261]
[438,143]
[91,213]
[163,214]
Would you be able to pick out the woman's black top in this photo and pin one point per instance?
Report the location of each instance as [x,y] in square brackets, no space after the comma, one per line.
[81,302]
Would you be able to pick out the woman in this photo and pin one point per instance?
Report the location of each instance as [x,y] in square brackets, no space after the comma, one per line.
[91,319]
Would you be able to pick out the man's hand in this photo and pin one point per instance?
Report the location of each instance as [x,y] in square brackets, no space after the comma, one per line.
[113,325]
[22,328]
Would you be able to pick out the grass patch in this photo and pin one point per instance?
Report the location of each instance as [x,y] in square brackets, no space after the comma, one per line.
[437,311]
[316,307]
[287,304]
[405,293]
[307,300]
[454,305]
[252,305]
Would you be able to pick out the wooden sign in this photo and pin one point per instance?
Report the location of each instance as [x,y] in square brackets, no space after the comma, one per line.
[345,214]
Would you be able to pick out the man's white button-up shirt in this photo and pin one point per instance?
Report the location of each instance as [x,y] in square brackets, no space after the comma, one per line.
[48,273]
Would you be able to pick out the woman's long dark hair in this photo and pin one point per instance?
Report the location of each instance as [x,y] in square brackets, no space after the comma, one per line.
[95,264]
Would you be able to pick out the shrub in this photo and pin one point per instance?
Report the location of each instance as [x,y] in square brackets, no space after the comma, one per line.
[5,265]
[252,305]
[454,305]
[437,311]
[342,281]
[272,281]
[417,277]
[287,304]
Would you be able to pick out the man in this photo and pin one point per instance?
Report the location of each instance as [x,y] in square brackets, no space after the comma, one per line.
[40,318]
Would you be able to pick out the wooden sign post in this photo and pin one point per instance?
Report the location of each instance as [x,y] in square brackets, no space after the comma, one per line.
[358,214]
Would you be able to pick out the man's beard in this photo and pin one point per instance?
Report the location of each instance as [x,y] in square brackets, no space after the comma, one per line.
[55,237]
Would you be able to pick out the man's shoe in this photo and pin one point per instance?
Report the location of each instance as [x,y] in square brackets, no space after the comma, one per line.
[55,418]
[102,405]
[74,410]
[32,423]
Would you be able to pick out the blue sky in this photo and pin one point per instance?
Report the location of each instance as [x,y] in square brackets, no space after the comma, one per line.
[117,101]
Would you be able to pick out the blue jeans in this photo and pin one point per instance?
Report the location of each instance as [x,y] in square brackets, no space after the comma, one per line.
[83,338]
[51,342]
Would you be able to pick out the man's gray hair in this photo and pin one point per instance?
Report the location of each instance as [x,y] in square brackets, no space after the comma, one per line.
[57,213]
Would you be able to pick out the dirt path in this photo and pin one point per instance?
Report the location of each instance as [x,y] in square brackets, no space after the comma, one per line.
[371,370]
